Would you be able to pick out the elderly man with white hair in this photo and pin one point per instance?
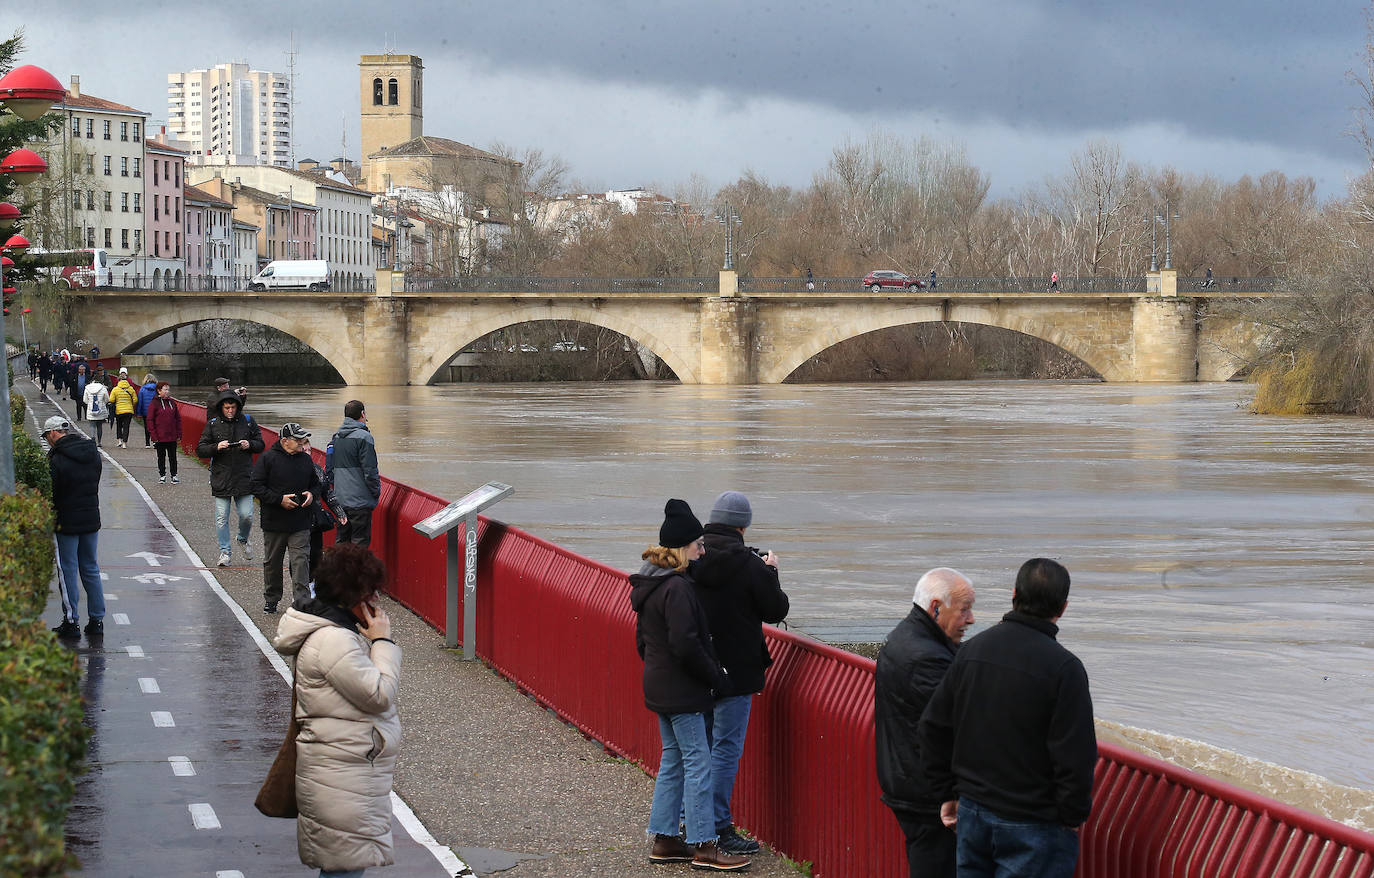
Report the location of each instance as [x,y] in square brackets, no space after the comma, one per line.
[911,664]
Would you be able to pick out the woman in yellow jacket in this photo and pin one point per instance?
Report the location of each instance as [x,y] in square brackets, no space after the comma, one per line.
[123,400]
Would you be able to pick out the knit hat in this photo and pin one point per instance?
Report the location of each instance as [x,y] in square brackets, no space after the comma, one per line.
[732,509]
[680,526]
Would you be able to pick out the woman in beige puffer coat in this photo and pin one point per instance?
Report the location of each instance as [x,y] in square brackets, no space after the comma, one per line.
[347,673]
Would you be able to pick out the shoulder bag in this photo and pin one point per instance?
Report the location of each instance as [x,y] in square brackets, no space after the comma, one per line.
[277,798]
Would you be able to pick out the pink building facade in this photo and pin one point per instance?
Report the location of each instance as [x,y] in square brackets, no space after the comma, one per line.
[164,183]
[209,241]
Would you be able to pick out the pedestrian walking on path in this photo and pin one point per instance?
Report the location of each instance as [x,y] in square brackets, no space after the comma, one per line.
[351,472]
[97,401]
[124,402]
[348,672]
[74,464]
[681,676]
[229,441]
[163,420]
[146,393]
[285,483]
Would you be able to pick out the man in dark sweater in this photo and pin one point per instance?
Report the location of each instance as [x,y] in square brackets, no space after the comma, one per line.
[1009,731]
[738,587]
[74,464]
[911,664]
[287,487]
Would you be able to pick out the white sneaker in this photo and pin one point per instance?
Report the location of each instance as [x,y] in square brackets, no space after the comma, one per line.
[162,480]
[247,550]
[175,480]
[223,560]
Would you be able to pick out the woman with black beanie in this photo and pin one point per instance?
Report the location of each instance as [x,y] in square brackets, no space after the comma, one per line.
[681,675]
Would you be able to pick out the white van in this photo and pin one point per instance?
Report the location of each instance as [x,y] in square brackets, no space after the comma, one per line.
[292,274]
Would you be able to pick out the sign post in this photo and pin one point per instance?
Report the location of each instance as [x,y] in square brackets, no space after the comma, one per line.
[447,521]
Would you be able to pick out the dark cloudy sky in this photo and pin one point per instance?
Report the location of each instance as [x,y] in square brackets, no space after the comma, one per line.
[650,92]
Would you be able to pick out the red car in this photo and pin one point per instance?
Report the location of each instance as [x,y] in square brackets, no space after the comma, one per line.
[877,280]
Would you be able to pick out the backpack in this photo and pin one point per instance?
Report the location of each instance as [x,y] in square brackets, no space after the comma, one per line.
[329,464]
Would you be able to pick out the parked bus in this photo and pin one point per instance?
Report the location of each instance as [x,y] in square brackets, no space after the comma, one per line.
[76,269]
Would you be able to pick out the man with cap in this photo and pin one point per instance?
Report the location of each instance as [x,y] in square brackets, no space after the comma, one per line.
[221,387]
[74,464]
[287,486]
[911,664]
[229,441]
[738,587]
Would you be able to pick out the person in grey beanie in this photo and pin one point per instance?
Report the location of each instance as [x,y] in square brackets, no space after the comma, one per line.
[739,589]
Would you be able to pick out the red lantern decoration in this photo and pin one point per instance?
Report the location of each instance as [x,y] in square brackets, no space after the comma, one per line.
[9,215]
[30,91]
[24,165]
[16,244]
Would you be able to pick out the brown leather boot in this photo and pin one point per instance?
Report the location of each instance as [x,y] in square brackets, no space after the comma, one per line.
[711,857]
[669,849]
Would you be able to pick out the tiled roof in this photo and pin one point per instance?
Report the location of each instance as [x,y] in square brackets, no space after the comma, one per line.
[194,193]
[319,179]
[91,102]
[158,144]
[425,146]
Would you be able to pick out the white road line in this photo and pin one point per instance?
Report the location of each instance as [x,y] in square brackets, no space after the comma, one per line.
[229,873]
[135,651]
[109,596]
[149,686]
[203,816]
[162,719]
[181,766]
[120,618]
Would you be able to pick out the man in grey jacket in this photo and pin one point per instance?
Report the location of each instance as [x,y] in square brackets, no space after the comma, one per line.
[352,470]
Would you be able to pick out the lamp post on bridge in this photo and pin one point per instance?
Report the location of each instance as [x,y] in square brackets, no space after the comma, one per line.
[1168,242]
[28,92]
[729,219]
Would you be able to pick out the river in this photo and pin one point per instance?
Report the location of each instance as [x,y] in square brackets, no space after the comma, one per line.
[1220,560]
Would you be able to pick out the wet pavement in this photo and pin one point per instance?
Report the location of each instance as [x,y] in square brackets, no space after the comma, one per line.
[187,709]
[505,785]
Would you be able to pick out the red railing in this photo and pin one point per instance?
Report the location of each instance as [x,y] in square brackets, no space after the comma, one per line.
[560,627]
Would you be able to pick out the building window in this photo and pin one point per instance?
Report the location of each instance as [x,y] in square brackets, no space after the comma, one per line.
[178,217]
[138,239]
[124,238]
[124,131]
[138,131]
[90,128]
[391,90]
[377,91]
[178,251]
[155,210]
[106,124]
[76,125]
[90,236]
[109,201]
[138,206]
[124,202]
[155,172]
[90,199]
[123,166]
[90,163]
[107,166]
[109,238]
[138,167]
[178,181]
[76,199]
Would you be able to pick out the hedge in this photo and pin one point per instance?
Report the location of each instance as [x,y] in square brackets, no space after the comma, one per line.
[30,463]
[42,734]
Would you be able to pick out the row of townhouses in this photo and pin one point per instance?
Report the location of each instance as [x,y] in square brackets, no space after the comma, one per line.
[166,221]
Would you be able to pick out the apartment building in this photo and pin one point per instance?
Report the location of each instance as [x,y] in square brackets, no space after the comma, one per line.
[231,115]
[210,240]
[286,227]
[96,161]
[245,253]
[343,220]
[164,189]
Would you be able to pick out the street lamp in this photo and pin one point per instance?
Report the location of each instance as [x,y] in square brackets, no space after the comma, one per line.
[1168,248]
[28,92]
[729,219]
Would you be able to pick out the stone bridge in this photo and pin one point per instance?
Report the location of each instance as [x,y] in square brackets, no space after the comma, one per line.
[715,336]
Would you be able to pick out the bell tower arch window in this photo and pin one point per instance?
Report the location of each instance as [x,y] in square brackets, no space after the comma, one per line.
[377,91]
[392,98]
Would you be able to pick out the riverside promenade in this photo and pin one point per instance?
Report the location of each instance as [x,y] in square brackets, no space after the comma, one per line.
[185,681]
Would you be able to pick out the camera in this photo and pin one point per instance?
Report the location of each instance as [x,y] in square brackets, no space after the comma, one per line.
[762,553]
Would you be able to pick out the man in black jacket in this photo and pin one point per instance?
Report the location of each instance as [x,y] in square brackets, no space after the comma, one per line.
[229,440]
[285,483]
[74,464]
[739,590]
[911,664]
[1010,731]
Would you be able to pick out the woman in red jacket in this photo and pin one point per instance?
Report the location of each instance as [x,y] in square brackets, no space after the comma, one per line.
[164,428]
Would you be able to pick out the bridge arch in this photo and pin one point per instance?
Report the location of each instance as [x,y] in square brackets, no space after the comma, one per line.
[127,328]
[829,334]
[443,349]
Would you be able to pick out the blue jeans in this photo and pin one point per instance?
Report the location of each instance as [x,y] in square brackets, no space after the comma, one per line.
[76,559]
[244,505]
[729,723]
[352,873]
[995,847]
[684,779]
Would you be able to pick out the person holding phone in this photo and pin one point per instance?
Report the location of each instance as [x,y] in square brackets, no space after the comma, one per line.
[285,483]
[348,672]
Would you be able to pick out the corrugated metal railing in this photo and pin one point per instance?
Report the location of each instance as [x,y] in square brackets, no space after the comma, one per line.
[560,627]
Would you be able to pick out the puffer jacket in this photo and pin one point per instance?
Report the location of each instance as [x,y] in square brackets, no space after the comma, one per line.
[350,736]
[231,470]
[74,464]
[681,671]
[124,397]
[146,394]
